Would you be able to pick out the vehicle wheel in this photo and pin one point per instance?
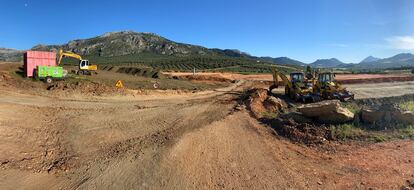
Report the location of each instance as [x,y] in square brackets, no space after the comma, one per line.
[80,72]
[325,96]
[292,95]
[35,77]
[287,93]
[48,80]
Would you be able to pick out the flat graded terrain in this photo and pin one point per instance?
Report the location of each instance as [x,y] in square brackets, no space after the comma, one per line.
[378,90]
[200,140]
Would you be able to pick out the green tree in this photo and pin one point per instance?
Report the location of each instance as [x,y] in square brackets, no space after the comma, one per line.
[309,72]
[412,71]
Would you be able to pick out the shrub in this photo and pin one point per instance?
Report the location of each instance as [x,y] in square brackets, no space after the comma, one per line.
[407,106]
[407,132]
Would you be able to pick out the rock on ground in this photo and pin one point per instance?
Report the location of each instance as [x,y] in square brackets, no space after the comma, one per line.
[405,117]
[327,112]
[371,116]
[259,103]
[387,115]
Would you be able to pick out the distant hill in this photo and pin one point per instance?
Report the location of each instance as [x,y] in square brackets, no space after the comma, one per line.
[10,55]
[282,60]
[370,59]
[399,60]
[127,42]
[327,63]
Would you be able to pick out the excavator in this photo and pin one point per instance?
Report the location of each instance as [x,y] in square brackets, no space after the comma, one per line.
[327,87]
[84,67]
[297,87]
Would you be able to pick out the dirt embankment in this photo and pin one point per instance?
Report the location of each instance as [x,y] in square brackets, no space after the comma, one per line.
[135,71]
[205,78]
[376,80]
[342,78]
[58,88]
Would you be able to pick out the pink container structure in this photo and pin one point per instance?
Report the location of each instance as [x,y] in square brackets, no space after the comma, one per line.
[35,58]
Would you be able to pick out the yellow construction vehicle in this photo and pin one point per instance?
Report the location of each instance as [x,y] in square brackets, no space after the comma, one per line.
[328,88]
[297,87]
[84,67]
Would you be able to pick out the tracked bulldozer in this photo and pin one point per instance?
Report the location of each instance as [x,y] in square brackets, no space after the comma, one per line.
[297,87]
[328,88]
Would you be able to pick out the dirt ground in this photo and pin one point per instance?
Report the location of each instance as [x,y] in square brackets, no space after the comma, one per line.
[200,140]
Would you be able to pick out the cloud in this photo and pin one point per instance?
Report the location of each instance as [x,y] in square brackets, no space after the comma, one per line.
[401,42]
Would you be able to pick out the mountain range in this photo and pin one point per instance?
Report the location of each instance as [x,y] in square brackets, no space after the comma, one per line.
[10,55]
[281,60]
[369,59]
[115,44]
[399,60]
[127,42]
[326,63]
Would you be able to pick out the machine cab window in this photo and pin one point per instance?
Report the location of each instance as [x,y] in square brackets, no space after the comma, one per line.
[326,77]
[297,77]
[84,63]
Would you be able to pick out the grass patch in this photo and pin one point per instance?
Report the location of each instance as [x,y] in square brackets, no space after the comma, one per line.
[269,115]
[355,132]
[352,107]
[406,133]
[407,106]
[379,138]
[346,131]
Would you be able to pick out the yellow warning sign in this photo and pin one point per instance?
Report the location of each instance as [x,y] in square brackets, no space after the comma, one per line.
[119,84]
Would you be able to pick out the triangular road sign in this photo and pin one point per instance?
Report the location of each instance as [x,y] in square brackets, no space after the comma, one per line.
[119,84]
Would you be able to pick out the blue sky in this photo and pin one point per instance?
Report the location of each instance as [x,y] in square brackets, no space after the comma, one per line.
[306,30]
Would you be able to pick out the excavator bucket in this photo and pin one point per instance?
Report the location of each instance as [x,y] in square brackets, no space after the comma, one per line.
[343,96]
[309,98]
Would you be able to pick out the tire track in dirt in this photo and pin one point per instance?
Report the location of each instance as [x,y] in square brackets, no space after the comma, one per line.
[128,157]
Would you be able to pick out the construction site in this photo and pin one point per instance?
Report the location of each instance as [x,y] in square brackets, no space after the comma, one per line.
[213,94]
[114,128]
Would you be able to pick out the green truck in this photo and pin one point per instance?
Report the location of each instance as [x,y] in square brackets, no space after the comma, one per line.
[50,73]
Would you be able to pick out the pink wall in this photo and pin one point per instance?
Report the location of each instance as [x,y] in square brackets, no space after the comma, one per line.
[35,58]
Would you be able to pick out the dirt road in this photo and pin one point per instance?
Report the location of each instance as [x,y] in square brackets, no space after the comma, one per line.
[192,141]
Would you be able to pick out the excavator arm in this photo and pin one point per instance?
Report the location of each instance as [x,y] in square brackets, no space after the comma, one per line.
[62,54]
[276,75]
[84,66]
